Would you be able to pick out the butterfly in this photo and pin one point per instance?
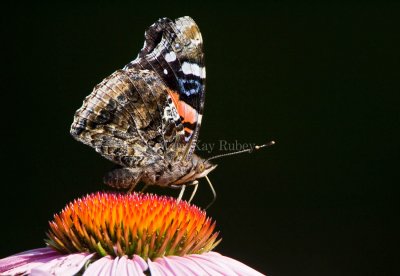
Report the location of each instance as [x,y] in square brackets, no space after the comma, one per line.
[147,116]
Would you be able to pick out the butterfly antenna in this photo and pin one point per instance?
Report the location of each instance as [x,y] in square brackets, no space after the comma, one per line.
[271,143]
[213,191]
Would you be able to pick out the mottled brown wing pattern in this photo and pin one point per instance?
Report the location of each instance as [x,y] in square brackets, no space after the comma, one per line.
[151,109]
[120,118]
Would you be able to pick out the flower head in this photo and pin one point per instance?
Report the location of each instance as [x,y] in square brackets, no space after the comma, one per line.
[132,224]
[121,234]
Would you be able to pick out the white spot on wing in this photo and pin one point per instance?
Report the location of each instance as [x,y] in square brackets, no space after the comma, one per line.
[165,71]
[195,41]
[203,73]
[170,114]
[194,69]
[170,57]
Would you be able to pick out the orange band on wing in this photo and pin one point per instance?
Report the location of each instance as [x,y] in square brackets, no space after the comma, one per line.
[188,113]
[188,130]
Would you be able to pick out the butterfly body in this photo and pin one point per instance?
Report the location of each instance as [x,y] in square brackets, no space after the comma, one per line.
[164,173]
[146,117]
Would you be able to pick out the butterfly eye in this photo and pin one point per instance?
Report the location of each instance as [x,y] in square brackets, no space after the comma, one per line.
[201,167]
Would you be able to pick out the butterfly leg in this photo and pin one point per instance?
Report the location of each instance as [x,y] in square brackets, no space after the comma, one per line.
[183,187]
[181,193]
[195,184]
[133,185]
[123,178]
[144,188]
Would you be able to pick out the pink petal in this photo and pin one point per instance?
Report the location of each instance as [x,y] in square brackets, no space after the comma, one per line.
[155,269]
[99,267]
[24,269]
[64,265]
[123,266]
[139,265]
[23,262]
[127,267]
[41,273]
[209,267]
[135,266]
[210,263]
[140,262]
[107,268]
[235,266]
[120,266]
[114,266]
[177,267]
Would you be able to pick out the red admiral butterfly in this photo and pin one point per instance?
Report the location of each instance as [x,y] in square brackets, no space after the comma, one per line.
[146,117]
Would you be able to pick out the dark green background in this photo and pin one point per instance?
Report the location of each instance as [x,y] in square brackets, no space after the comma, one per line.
[320,79]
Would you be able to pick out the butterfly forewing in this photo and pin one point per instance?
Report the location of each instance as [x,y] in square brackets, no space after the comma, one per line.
[174,50]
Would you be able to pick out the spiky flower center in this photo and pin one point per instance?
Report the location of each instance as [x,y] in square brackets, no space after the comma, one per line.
[126,224]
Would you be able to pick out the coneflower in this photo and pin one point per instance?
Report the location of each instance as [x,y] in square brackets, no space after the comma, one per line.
[127,234]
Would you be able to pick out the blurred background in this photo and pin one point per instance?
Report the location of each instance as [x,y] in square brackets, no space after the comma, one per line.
[322,80]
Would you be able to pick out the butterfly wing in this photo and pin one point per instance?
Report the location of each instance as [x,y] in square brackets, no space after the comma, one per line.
[174,50]
[119,118]
[151,109]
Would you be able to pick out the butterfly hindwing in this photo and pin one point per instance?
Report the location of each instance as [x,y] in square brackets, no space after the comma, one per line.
[117,121]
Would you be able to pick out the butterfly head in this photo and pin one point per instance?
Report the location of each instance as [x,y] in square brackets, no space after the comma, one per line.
[202,166]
